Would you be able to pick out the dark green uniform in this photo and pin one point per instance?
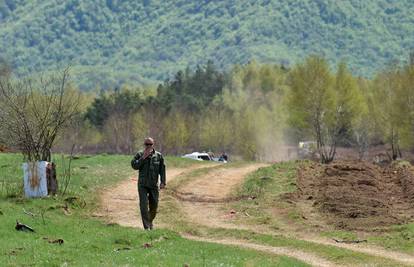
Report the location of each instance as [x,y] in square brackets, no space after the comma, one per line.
[149,170]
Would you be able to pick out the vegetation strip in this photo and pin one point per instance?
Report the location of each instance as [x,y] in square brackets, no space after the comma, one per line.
[294,253]
[339,254]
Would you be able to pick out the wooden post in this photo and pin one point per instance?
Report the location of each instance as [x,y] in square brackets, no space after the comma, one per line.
[52,184]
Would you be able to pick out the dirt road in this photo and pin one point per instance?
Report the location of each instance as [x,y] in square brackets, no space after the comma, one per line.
[204,198]
[119,204]
[203,202]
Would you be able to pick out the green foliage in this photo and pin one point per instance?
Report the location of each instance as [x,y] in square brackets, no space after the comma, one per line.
[191,91]
[405,104]
[393,96]
[311,98]
[348,98]
[312,102]
[123,102]
[216,133]
[114,42]
[177,133]
[323,103]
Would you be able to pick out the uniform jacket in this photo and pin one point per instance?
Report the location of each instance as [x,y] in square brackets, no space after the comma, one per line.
[149,169]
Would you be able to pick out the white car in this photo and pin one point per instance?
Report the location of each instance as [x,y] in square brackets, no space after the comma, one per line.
[202,156]
[198,156]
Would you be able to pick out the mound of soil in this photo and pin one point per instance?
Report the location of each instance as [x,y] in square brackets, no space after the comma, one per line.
[359,195]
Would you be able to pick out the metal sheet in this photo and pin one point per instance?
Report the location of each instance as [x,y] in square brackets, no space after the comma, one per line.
[35,182]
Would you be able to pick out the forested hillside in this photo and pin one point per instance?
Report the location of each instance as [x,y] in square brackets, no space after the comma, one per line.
[113,42]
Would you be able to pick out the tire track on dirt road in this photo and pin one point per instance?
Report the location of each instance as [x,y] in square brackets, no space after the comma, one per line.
[297,254]
[203,198]
[367,249]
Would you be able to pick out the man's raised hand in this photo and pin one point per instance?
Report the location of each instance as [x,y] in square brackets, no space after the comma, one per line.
[147,152]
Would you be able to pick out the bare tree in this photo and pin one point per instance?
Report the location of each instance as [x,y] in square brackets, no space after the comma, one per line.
[5,69]
[118,132]
[34,111]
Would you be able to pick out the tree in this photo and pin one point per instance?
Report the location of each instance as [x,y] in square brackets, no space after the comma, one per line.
[176,137]
[216,129]
[388,108]
[325,104]
[124,101]
[5,69]
[34,112]
[408,97]
[362,124]
[348,105]
[406,103]
[253,98]
[311,102]
[191,91]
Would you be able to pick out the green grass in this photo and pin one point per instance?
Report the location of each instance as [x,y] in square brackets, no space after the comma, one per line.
[268,183]
[341,235]
[89,242]
[262,190]
[177,162]
[399,237]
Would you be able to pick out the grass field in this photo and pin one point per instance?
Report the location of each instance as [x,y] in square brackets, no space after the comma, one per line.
[90,242]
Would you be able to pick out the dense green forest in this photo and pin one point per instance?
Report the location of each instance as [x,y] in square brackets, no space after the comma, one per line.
[116,42]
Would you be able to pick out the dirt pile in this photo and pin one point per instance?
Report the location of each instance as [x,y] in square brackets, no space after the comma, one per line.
[359,195]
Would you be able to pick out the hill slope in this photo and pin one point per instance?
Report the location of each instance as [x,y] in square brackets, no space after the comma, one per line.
[116,41]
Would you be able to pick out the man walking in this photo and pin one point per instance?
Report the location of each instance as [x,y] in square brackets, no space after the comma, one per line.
[150,165]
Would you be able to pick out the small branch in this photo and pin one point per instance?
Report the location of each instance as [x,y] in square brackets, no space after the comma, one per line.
[68,172]
[29,213]
[350,241]
[42,213]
